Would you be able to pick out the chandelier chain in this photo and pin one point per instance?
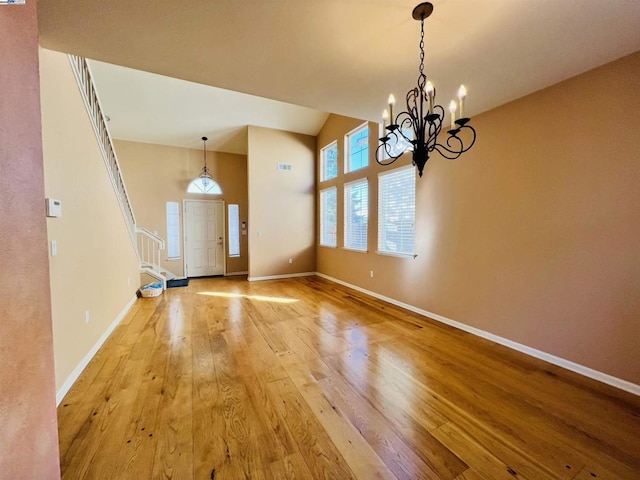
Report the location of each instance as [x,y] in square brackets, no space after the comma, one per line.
[422,47]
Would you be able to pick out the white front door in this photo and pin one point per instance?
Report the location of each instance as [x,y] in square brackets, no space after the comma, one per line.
[204,237]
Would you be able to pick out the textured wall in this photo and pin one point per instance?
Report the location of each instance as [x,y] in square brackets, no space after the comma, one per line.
[28,424]
[533,235]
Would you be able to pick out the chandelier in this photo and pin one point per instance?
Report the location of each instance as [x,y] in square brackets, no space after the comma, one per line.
[417,129]
[205,176]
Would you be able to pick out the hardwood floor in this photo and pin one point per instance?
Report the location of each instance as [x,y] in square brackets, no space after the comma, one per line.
[302,378]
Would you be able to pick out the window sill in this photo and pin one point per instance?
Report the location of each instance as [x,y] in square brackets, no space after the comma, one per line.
[347,249]
[400,255]
[327,246]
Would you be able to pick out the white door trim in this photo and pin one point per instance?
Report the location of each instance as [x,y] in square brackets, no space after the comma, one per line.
[184,232]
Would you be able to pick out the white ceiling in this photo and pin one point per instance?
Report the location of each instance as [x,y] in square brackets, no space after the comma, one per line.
[340,56]
[150,108]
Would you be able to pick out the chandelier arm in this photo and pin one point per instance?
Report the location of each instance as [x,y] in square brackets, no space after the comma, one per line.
[453,150]
[435,127]
[384,156]
[406,122]
[434,130]
[420,123]
[445,152]
[455,145]
[473,138]
[412,106]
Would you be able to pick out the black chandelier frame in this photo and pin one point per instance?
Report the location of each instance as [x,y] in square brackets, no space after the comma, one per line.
[424,118]
[205,175]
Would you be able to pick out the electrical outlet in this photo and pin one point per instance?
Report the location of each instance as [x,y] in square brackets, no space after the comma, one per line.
[291,260]
[371,273]
[87,316]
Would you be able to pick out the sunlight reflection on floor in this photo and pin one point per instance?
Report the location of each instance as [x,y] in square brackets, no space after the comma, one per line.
[260,298]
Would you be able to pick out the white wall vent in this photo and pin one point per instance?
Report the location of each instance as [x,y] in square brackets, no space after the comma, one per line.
[285,167]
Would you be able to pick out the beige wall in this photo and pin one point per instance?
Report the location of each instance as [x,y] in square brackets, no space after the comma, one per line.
[157,174]
[96,268]
[281,203]
[534,234]
[28,424]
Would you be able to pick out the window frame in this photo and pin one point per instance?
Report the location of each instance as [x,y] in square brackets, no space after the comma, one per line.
[173,231]
[382,211]
[347,147]
[323,150]
[346,216]
[234,230]
[197,187]
[322,218]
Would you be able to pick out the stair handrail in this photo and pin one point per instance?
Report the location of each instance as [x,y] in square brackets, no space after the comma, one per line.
[84,79]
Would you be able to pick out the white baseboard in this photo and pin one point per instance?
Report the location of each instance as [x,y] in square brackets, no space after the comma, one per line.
[286,275]
[71,379]
[232,274]
[547,357]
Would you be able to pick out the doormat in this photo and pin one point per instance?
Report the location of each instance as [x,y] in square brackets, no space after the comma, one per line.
[177,282]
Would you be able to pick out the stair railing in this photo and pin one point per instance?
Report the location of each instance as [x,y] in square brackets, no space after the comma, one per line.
[82,72]
[147,245]
[150,247]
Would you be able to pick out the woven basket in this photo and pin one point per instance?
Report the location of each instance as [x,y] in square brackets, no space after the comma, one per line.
[151,292]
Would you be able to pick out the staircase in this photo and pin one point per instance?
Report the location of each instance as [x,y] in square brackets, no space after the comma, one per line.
[148,245]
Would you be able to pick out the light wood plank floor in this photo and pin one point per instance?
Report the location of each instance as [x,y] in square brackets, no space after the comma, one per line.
[302,378]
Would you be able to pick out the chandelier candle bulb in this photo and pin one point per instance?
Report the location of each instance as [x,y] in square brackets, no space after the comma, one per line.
[430,94]
[392,102]
[385,119]
[452,110]
[462,93]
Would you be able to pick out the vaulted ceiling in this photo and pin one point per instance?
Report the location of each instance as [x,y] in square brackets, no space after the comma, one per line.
[346,56]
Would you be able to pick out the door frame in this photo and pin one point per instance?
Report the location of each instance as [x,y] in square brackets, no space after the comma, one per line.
[184,233]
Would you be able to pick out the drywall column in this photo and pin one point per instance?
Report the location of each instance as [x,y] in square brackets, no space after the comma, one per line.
[28,424]
[281,203]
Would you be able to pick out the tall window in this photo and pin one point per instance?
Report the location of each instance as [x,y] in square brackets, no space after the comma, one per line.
[356,214]
[328,217]
[173,230]
[329,162]
[234,230]
[397,211]
[357,149]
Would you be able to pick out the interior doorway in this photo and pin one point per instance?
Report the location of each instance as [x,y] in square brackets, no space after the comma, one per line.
[204,238]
